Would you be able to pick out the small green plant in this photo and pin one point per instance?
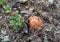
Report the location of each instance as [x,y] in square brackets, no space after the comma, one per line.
[16,21]
[1,1]
[7,9]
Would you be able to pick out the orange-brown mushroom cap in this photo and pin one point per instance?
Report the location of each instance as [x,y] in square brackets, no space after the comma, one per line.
[35,22]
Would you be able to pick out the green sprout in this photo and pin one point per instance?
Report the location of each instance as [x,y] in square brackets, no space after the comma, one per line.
[7,9]
[16,21]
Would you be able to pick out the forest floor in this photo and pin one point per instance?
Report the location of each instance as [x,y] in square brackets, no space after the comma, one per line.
[48,11]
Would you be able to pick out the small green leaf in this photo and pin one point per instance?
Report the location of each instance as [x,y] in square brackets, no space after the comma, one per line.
[12,22]
[14,27]
[16,24]
[16,12]
[20,24]
[7,9]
